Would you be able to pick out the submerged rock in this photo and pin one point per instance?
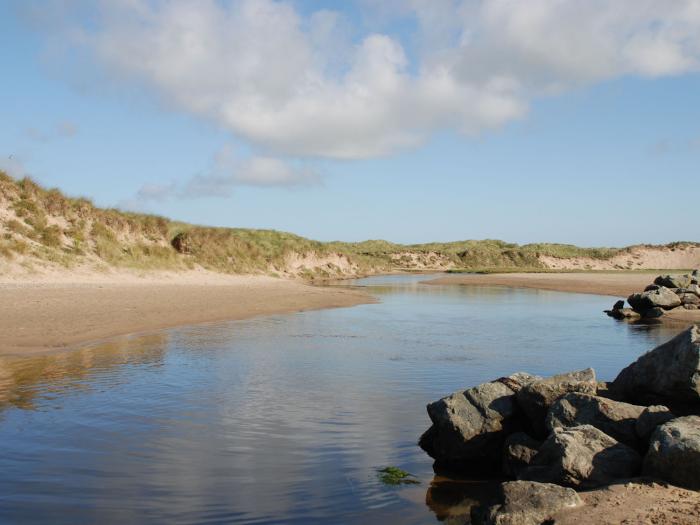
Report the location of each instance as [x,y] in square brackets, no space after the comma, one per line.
[472,425]
[536,397]
[530,503]
[616,419]
[669,374]
[674,452]
[518,451]
[583,457]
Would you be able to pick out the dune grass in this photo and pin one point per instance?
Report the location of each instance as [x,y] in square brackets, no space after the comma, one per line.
[46,225]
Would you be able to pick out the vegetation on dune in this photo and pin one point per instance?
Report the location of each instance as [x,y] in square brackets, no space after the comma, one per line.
[39,225]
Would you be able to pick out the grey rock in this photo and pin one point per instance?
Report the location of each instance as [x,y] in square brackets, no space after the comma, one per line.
[651,287]
[518,451]
[691,307]
[650,418]
[653,313]
[674,452]
[693,289]
[619,305]
[583,457]
[659,298]
[536,397]
[689,298]
[673,281]
[623,313]
[471,425]
[530,503]
[669,374]
[616,419]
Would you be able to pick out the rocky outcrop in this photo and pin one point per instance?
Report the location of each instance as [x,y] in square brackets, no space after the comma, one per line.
[536,397]
[616,419]
[674,452]
[530,503]
[472,425]
[668,374]
[582,457]
[518,451]
[666,293]
[589,440]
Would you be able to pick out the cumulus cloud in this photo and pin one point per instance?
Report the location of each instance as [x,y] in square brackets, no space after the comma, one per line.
[283,81]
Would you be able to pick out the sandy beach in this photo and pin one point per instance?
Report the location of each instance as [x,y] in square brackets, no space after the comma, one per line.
[53,312]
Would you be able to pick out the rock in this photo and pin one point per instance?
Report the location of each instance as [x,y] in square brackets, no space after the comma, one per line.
[659,298]
[536,397]
[650,418]
[669,374]
[530,503]
[674,452]
[692,289]
[616,419]
[653,313]
[473,424]
[673,281]
[651,287]
[623,313]
[689,298]
[583,457]
[691,307]
[619,305]
[518,451]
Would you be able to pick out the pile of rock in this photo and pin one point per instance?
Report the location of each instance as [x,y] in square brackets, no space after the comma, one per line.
[573,431]
[667,292]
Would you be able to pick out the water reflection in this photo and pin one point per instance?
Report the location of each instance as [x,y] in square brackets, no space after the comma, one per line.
[77,369]
[282,419]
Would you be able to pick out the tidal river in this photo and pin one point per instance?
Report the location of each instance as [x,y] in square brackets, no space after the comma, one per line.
[281,419]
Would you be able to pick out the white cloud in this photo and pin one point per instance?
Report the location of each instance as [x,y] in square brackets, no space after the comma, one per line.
[229,170]
[281,81]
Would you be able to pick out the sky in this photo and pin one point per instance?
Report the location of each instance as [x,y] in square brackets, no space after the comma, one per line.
[411,121]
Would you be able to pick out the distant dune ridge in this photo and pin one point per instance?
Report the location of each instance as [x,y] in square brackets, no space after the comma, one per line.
[43,230]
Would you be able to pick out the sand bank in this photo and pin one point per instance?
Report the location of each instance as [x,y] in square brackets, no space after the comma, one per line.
[616,284]
[58,311]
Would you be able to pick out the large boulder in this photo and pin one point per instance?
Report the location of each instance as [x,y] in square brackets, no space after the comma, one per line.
[530,503]
[518,451]
[472,425]
[669,374]
[650,418]
[582,457]
[674,452]
[616,419]
[536,397]
[659,298]
[673,281]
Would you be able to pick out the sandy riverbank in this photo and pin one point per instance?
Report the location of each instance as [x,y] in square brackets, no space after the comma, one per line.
[615,284]
[47,312]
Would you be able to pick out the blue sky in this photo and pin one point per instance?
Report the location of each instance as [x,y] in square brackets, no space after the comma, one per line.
[596,146]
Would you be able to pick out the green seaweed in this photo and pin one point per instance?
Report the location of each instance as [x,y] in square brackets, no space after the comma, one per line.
[395,476]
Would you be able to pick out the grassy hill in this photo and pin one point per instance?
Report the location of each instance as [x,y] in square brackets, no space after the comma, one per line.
[44,227]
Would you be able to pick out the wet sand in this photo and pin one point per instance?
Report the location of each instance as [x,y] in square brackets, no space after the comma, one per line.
[43,316]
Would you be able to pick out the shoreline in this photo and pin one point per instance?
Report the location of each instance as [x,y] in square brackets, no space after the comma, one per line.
[613,284]
[44,315]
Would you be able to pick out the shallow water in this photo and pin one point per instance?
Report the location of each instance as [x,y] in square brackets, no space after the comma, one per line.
[282,419]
